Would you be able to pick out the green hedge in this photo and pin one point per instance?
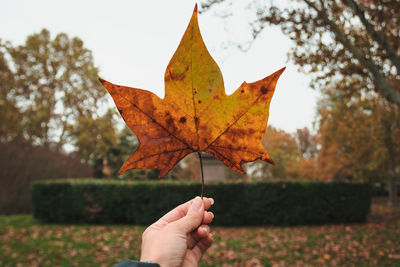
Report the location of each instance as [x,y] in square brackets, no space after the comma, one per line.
[108,201]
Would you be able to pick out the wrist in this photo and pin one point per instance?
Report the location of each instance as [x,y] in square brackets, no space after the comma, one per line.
[150,259]
[152,262]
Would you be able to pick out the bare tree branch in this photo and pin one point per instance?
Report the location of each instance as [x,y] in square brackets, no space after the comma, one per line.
[371,31]
[382,85]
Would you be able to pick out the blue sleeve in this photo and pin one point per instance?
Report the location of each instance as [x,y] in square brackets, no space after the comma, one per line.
[130,263]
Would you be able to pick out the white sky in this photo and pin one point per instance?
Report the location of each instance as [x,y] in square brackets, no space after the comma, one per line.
[133,40]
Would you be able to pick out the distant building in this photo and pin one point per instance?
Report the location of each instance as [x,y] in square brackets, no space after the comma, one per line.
[214,170]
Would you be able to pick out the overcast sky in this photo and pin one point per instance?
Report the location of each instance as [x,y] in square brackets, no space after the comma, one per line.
[133,40]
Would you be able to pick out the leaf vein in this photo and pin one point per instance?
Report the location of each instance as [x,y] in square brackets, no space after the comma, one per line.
[156,122]
[234,122]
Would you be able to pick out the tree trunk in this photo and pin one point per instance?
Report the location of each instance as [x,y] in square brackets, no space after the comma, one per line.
[98,168]
[393,199]
[392,172]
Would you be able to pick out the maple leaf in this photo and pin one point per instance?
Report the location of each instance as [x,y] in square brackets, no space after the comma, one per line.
[195,115]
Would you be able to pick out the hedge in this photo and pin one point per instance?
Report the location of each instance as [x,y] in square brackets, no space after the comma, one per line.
[142,203]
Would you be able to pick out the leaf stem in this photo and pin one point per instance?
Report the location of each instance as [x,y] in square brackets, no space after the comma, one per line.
[202,174]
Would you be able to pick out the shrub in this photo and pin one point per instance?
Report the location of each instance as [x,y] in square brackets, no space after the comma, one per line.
[133,202]
[21,164]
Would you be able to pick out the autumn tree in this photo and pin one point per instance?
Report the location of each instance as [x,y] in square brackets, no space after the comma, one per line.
[10,126]
[51,97]
[306,166]
[338,39]
[358,138]
[352,46]
[284,151]
[51,83]
[294,155]
[306,142]
[21,164]
[94,138]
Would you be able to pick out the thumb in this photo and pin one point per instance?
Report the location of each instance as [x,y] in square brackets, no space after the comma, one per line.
[193,218]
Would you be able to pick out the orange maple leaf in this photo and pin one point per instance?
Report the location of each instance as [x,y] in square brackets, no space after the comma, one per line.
[195,115]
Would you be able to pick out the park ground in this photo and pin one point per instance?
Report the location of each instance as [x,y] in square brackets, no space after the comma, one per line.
[26,242]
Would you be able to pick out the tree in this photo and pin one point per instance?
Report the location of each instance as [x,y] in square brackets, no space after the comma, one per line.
[306,167]
[53,86]
[306,142]
[94,138]
[283,149]
[10,126]
[22,163]
[350,45]
[339,39]
[359,141]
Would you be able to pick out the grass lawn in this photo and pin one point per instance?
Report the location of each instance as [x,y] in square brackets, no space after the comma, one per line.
[26,242]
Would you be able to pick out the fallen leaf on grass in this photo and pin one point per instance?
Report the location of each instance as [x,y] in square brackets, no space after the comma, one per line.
[227,254]
[254,263]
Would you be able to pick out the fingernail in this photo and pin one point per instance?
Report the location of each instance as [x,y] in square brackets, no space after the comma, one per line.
[212,214]
[212,201]
[197,203]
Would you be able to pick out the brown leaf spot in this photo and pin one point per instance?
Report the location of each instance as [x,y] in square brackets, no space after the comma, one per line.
[242,91]
[179,76]
[182,120]
[199,101]
[170,121]
[175,76]
[237,133]
[264,90]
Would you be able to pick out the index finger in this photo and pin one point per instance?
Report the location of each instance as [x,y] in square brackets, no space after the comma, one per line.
[182,210]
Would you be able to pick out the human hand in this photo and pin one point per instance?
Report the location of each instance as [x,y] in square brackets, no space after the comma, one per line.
[181,237]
